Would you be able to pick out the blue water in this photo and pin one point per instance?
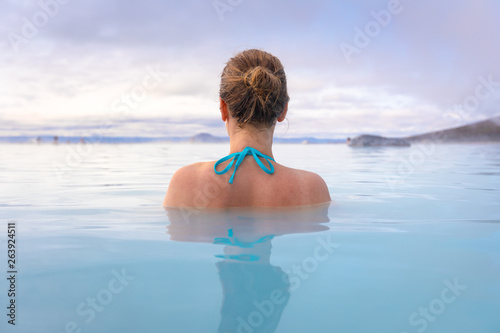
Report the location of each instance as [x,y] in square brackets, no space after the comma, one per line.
[411,243]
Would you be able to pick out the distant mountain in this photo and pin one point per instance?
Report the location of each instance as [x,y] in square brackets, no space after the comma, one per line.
[483,131]
[198,138]
[207,138]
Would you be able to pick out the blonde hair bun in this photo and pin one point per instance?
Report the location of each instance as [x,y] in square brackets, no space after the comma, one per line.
[253,85]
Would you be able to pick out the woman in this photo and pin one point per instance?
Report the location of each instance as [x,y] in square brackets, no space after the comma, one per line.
[253,97]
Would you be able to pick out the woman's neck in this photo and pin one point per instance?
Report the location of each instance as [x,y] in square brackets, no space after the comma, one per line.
[249,136]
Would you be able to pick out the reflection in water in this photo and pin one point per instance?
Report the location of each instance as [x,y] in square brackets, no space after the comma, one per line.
[255,292]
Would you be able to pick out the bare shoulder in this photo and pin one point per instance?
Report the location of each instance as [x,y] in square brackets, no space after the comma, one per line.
[316,184]
[311,185]
[183,181]
[193,185]
[187,174]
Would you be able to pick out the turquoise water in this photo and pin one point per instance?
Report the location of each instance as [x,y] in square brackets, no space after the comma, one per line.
[411,243]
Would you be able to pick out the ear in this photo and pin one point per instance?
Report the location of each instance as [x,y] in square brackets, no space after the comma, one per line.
[283,113]
[223,110]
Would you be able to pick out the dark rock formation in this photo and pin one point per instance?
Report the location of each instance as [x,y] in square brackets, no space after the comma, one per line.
[377,141]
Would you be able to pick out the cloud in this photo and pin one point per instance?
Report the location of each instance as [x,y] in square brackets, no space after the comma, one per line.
[427,59]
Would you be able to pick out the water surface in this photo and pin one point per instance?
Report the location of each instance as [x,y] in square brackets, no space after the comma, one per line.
[411,243]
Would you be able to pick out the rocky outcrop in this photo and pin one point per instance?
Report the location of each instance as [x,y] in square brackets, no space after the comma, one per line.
[377,141]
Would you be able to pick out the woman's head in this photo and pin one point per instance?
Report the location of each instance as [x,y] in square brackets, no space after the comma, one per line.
[253,86]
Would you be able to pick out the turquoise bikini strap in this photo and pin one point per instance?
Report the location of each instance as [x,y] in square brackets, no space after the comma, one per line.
[256,154]
[239,158]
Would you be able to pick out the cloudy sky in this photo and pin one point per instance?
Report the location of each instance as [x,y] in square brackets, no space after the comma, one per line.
[152,67]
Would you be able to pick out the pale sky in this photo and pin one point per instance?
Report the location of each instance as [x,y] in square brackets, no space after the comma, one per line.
[153,67]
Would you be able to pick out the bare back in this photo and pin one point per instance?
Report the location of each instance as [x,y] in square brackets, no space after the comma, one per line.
[197,185]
